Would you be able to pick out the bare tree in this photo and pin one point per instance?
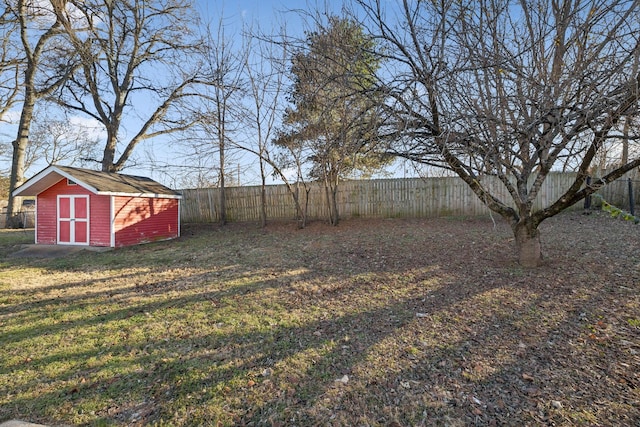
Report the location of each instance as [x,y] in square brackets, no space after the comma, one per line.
[139,66]
[220,118]
[265,69]
[512,89]
[267,65]
[265,86]
[11,61]
[47,64]
[59,139]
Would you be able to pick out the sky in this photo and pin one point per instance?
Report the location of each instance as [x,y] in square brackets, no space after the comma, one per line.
[269,15]
[264,12]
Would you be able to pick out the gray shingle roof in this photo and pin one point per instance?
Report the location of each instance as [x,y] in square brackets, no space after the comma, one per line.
[116,182]
[95,181]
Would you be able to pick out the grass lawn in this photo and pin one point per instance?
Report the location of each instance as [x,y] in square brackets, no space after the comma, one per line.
[377,322]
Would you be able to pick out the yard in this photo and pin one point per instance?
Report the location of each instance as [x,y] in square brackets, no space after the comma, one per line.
[376,322]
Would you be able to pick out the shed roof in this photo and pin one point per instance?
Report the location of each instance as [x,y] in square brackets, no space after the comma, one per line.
[97,182]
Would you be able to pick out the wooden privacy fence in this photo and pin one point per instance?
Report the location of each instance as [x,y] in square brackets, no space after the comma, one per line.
[382,198]
[619,191]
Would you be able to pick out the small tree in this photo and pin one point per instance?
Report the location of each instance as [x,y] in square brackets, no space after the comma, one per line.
[223,65]
[512,90]
[265,74]
[265,83]
[332,116]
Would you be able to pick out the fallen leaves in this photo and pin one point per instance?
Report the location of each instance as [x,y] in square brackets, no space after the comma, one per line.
[527,377]
[343,380]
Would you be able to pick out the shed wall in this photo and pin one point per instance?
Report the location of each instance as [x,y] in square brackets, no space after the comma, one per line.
[142,220]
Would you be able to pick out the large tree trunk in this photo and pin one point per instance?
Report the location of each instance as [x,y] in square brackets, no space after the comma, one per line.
[527,243]
[335,214]
[108,162]
[15,180]
[330,193]
[19,147]
[108,158]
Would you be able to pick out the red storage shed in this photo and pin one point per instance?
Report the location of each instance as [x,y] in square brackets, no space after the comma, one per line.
[85,207]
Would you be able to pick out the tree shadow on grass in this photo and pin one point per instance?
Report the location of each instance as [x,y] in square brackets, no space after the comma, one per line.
[226,356]
[202,371]
[530,360]
[35,315]
[458,340]
[306,354]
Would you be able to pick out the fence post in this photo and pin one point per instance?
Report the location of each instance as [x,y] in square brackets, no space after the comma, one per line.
[587,200]
[632,204]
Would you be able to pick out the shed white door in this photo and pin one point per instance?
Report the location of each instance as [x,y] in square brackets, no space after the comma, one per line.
[73,220]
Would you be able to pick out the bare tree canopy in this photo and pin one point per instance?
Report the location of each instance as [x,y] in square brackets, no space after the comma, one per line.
[57,138]
[220,116]
[513,89]
[264,62]
[139,64]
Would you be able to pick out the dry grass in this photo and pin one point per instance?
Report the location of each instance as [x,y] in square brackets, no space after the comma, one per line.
[425,322]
